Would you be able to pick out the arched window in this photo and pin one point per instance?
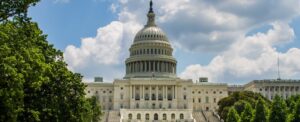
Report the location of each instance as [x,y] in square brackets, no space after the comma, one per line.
[138,116]
[164,116]
[181,116]
[147,116]
[155,116]
[129,116]
[173,116]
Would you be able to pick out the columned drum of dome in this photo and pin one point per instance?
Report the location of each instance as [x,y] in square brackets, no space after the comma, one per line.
[151,53]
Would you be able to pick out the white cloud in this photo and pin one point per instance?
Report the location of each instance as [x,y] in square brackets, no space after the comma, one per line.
[252,57]
[104,54]
[102,49]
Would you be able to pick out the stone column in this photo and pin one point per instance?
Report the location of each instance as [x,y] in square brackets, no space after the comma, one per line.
[141,66]
[175,68]
[150,95]
[284,92]
[128,68]
[149,66]
[133,67]
[130,92]
[143,91]
[173,92]
[134,92]
[154,66]
[165,92]
[169,67]
[136,66]
[162,66]
[157,66]
[156,96]
[145,66]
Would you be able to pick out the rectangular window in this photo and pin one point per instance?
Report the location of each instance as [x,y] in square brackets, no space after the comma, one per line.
[206,99]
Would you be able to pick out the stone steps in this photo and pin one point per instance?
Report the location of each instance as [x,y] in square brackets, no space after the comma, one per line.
[198,116]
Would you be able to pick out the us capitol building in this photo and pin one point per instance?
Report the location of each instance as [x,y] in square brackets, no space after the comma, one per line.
[151,90]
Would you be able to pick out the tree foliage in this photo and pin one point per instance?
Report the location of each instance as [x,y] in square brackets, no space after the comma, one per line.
[232,116]
[242,97]
[35,82]
[10,8]
[95,111]
[278,110]
[240,106]
[296,113]
[247,114]
[261,111]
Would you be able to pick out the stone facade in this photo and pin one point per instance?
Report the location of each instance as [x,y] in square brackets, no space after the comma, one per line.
[157,96]
[269,88]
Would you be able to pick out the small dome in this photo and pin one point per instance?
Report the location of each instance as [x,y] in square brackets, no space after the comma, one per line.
[150,33]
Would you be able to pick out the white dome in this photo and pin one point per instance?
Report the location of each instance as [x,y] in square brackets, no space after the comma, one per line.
[150,33]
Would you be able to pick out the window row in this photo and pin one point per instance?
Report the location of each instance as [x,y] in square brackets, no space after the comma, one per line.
[150,51]
[195,100]
[214,92]
[96,92]
[151,66]
[281,89]
[156,36]
[155,116]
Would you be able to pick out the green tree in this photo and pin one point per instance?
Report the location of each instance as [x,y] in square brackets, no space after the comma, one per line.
[35,82]
[247,114]
[261,111]
[247,96]
[296,113]
[232,115]
[278,110]
[240,106]
[95,109]
[11,8]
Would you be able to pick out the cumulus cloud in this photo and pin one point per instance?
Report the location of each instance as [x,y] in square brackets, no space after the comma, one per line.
[217,26]
[104,54]
[102,49]
[252,57]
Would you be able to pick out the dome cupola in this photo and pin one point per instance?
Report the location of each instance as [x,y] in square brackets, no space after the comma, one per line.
[150,53]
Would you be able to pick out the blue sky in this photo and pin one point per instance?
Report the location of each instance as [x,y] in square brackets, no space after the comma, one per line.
[228,41]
